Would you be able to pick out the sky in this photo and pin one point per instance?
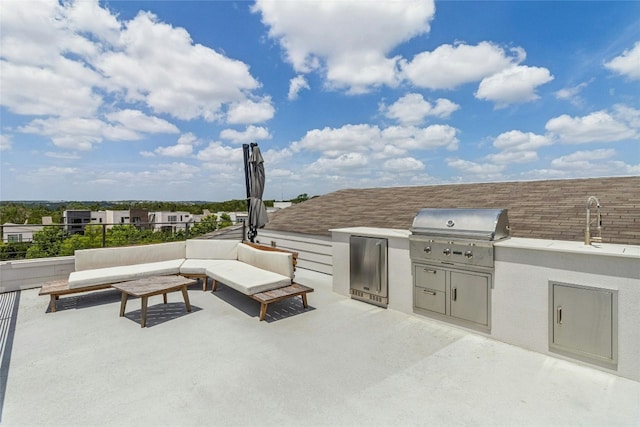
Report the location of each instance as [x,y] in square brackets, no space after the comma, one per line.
[153,100]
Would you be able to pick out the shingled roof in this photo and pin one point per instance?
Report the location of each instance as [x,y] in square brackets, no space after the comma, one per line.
[552,209]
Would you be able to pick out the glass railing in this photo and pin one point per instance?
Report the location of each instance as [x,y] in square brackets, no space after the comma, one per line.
[30,241]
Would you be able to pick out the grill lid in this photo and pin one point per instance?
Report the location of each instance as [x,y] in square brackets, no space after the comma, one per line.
[481,224]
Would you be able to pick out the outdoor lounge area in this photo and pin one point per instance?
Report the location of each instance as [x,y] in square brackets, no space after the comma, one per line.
[340,362]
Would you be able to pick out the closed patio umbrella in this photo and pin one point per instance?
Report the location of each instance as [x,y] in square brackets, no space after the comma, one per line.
[257,211]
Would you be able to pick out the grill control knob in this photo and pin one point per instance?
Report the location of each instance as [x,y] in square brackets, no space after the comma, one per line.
[427,250]
[468,254]
[447,252]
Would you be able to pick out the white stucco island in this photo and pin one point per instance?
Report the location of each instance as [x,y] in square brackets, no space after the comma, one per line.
[535,281]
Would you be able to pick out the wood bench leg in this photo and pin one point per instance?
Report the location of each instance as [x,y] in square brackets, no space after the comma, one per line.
[215,285]
[52,303]
[204,284]
[185,295]
[164,297]
[143,320]
[304,300]
[263,310]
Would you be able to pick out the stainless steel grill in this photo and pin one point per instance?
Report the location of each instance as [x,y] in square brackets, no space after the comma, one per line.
[458,236]
[452,258]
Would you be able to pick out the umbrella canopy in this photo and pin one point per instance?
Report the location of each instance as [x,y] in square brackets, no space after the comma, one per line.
[257,211]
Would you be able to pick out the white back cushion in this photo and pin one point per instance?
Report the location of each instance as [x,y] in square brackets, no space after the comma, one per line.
[277,262]
[212,249]
[87,259]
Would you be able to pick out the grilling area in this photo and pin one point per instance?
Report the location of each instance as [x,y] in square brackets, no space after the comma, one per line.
[499,357]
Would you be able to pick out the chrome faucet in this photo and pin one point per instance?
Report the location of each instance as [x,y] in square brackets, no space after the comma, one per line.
[588,239]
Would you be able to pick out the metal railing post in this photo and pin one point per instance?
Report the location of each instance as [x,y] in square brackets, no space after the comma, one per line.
[104,235]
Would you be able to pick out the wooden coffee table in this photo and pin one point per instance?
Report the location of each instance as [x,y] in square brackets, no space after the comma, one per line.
[145,288]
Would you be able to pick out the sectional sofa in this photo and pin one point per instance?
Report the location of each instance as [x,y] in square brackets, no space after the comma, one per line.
[244,267]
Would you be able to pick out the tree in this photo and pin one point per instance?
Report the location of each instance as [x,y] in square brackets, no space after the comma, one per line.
[92,238]
[13,250]
[46,243]
[206,225]
[301,198]
[225,220]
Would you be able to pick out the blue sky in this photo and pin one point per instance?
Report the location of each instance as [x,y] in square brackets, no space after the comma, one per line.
[153,100]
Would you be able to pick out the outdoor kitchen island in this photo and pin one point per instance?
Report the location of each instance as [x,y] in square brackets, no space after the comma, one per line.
[531,277]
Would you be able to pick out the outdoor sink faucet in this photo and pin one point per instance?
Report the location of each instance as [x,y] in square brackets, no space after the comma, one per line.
[588,239]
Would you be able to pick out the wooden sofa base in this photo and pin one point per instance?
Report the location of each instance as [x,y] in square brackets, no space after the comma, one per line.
[202,277]
[61,287]
[275,295]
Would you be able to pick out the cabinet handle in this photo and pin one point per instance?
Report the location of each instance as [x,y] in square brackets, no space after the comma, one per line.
[426,270]
[559,314]
[429,292]
[455,293]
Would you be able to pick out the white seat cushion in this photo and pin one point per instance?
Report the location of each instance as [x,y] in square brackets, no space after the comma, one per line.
[101,276]
[199,266]
[246,278]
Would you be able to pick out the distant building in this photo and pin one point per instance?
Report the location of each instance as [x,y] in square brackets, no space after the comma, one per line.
[15,233]
[75,220]
[169,221]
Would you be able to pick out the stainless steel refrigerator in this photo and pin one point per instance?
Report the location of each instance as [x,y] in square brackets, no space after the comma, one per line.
[368,270]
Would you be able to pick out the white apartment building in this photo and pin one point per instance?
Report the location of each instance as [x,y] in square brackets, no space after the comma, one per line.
[14,233]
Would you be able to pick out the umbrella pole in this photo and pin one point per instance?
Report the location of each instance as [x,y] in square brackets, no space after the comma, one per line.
[245,152]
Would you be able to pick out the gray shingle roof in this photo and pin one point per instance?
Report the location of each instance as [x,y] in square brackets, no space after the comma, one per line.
[552,209]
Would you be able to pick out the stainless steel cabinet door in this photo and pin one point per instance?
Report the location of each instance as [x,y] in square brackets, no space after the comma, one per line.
[583,320]
[469,296]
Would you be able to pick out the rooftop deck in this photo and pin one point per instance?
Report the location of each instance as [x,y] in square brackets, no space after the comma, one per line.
[341,362]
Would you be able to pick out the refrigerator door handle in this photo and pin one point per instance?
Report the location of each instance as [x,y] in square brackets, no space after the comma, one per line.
[380,262]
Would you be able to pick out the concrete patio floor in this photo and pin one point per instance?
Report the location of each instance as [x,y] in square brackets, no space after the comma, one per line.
[339,363]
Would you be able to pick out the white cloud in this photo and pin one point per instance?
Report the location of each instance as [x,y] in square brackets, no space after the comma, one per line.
[221,158]
[343,163]
[74,62]
[62,155]
[449,66]
[516,140]
[368,138]
[628,63]
[333,142]
[5,142]
[136,120]
[72,133]
[296,84]
[513,85]
[250,134]
[600,126]
[403,165]
[478,170]
[350,40]
[572,94]
[36,91]
[412,109]
[248,111]
[415,138]
[510,157]
[517,147]
[184,147]
[153,53]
